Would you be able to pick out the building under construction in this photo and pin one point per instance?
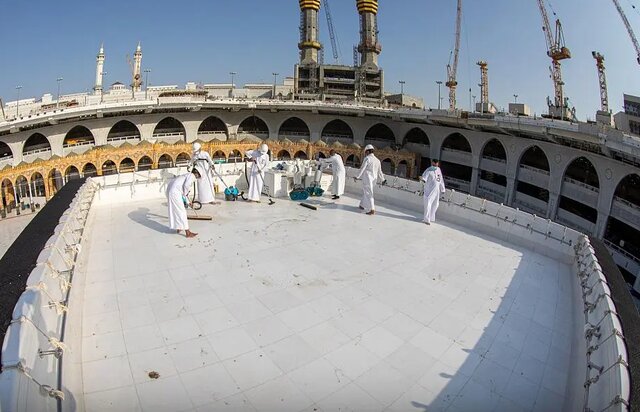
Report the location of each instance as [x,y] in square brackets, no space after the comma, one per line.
[315,80]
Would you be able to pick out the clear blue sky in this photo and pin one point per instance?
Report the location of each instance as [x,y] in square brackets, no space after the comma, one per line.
[199,40]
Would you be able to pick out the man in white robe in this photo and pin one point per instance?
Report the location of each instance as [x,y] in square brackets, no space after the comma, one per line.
[370,172]
[202,160]
[260,160]
[177,198]
[339,173]
[433,187]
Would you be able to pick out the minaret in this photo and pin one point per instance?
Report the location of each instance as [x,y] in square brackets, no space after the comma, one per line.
[99,70]
[369,47]
[309,45]
[137,64]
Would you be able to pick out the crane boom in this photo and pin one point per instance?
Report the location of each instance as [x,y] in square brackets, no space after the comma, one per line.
[452,71]
[332,33]
[604,96]
[629,29]
[557,51]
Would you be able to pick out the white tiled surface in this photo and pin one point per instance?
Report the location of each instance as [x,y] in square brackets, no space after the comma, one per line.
[281,308]
[11,228]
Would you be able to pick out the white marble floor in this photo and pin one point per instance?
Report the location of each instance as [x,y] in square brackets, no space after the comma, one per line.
[281,308]
[11,228]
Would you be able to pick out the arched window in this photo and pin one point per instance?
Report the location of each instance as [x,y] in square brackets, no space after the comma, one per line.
[169,127]
[300,155]
[353,161]
[294,128]
[122,131]
[535,157]
[37,185]
[417,136]
[183,159]
[255,126]
[145,163]
[388,167]
[127,165]
[337,130]
[283,155]
[212,127]
[36,143]
[219,156]
[89,170]
[494,150]
[22,187]
[109,168]
[165,161]
[380,132]
[5,152]
[78,136]
[582,170]
[71,173]
[458,142]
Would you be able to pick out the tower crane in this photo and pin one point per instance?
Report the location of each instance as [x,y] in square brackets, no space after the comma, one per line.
[604,98]
[332,32]
[629,29]
[557,51]
[452,71]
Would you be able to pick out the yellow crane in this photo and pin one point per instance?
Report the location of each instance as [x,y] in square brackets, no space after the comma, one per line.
[452,71]
[557,51]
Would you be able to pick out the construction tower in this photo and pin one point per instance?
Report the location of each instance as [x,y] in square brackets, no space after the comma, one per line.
[603,116]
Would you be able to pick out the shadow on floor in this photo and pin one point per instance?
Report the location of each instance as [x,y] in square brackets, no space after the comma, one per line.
[143,217]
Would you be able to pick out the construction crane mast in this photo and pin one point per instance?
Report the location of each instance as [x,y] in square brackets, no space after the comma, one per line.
[484,82]
[332,32]
[452,71]
[629,29]
[557,51]
[604,98]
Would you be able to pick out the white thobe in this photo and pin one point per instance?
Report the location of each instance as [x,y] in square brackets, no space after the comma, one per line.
[433,186]
[256,176]
[370,171]
[179,187]
[202,161]
[339,173]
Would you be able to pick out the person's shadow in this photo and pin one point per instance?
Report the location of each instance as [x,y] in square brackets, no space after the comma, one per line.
[143,217]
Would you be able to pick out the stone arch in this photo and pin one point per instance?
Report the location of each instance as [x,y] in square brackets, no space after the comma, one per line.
[55,181]
[36,143]
[353,161]
[417,136]
[301,154]
[388,167]
[254,125]
[337,129]
[321,155]
[402,169]
[582,170]
[236,156]
[456,141]
[38,188]
[71,173]
[165,161]
[126,165]
[89,170]
[213,125]
[534,156]
[283,155]
[145,163]
[22,187]
[8,194]
[629,189]
[123,130]
[168,127]
[219,155]
[78,136]
[109,168]
[183,159]
[5,151]
[294,127]
[494,149]
[380,132]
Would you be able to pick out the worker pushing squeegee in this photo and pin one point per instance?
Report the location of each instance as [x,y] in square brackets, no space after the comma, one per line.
[260,160]
[177,192]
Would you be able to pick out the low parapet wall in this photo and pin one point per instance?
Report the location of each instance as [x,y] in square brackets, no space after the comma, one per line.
[41,352]
[599,350]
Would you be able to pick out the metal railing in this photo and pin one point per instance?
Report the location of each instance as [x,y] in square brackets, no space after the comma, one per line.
[535,169]
[36,151]
[581,184]
[121,138]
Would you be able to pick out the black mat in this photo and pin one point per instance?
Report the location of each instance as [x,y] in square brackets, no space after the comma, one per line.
[20,259]
[629,316]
